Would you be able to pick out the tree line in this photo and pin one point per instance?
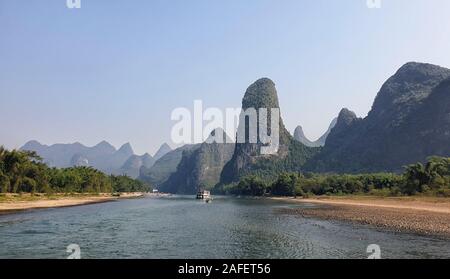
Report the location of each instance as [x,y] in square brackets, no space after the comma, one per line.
[24,171]
[432,178]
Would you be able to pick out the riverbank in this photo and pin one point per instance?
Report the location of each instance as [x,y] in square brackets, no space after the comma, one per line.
[10,203]
[422,215]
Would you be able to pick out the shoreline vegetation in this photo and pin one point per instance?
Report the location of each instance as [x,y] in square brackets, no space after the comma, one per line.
[28,183]
[24,172]
[428,216]
[429,179]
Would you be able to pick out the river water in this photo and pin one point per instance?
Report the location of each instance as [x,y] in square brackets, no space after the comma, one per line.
[182,227]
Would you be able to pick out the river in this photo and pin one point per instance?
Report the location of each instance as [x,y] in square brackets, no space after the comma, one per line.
[182,227]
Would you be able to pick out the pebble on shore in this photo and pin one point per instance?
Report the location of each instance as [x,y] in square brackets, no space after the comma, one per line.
[399,220]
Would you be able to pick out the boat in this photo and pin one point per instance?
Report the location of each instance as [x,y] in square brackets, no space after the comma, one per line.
[204,195]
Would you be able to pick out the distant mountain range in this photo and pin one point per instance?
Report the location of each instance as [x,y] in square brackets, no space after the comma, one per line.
[300,136]
[409,121]
[102,156]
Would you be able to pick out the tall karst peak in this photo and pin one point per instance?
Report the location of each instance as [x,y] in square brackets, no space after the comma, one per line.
[261,94]
[299,135]
[248,154]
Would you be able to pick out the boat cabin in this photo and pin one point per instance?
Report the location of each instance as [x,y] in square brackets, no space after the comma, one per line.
[203,195]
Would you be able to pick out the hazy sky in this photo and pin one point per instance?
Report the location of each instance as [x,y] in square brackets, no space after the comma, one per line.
[114,70]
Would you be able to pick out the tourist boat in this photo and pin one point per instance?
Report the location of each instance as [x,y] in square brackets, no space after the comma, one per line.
[204,195]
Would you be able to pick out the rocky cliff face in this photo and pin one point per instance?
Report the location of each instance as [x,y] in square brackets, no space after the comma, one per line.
[247,156]
[165,166]
[407,123]
[199,168]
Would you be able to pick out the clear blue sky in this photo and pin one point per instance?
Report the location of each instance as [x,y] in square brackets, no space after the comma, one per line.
[114,70]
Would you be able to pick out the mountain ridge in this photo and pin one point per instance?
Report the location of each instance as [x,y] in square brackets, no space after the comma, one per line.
[382,141]
[300,136]
[102,156]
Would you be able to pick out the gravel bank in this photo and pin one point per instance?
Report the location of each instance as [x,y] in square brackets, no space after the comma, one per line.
[398,219]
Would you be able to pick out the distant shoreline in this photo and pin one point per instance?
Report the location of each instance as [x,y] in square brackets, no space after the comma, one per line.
[421,215]
[19,203]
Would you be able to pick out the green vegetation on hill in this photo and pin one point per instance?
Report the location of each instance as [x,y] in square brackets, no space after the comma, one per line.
[23,171]
[270,167]
[432,178]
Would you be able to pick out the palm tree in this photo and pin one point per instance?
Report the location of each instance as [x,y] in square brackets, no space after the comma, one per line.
[19,168]
[416,176]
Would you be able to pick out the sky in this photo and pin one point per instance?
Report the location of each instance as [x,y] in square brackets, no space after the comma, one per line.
[115,70]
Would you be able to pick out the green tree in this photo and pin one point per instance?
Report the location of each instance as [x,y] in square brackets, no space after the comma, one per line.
[285,184]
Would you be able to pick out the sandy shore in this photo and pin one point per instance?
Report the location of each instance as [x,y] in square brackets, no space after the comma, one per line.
[427,216]
[13,203]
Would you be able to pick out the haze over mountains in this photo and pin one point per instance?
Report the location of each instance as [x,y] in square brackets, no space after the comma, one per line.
[409,121]
[102,156]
